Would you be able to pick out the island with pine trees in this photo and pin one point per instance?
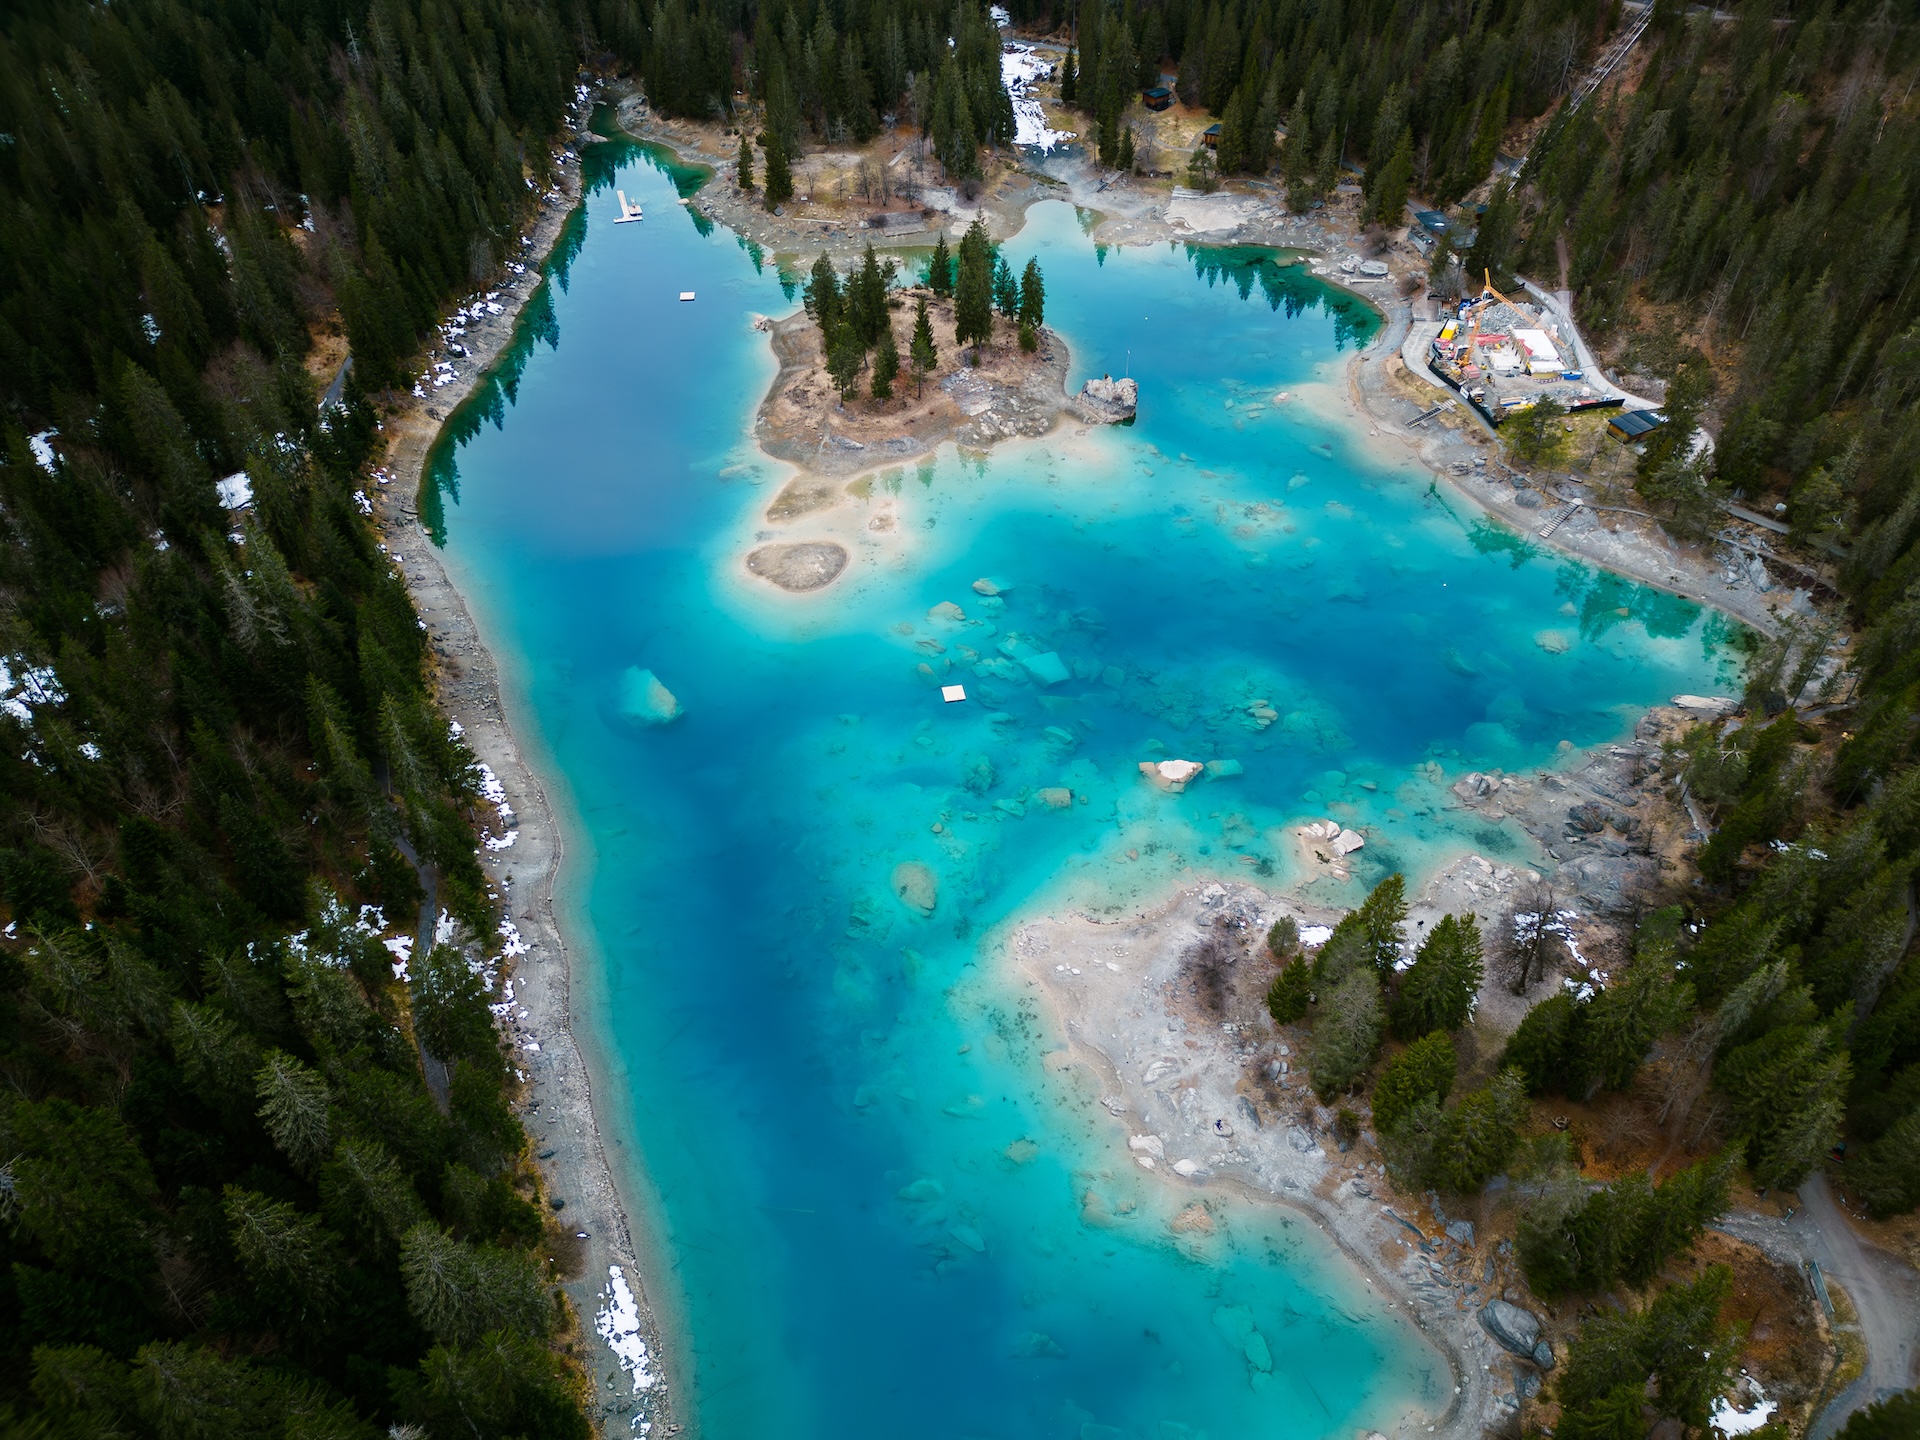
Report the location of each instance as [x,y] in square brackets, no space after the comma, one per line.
[874,372]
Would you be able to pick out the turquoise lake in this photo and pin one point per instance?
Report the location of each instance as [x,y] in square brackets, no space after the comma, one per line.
[822,1097]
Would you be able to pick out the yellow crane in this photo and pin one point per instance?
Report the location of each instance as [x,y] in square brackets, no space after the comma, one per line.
[1488,294]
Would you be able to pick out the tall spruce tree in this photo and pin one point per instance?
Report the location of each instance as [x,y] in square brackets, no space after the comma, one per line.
[922,350]
[1438,991]
[973,289]
[886,365]
[940,268]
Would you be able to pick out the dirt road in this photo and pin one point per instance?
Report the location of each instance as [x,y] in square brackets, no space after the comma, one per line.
[1885,1291]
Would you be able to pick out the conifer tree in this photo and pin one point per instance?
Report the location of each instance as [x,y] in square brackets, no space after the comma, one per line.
[1283,936]
[778,189]
[1425,1069]
[1676,1343]
[1069,79]
[743,167]
[1124,160]
[1897,1417]
[921,349]
[1483,1131]
[1202,174]
[1382,920]
[1006,290]
[1547,1047]
[973,289]
[1346,1033]
[1439,990]
[886,365]
[1033,304]
[1786,1092]
[1387,196]
[1291,992]
[845,357]
[823,300]
[940,268]
[866,298]
[1234,127]
[1632,1012]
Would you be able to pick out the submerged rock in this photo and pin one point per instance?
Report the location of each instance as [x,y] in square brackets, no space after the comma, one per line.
[802,496]
[1046,668]
[1035,1346]
[804,565]
[644,700]
[916,886]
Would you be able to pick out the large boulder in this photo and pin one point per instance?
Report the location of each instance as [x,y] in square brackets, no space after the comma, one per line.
[1173,776]
[1107,401]
[1516,1331]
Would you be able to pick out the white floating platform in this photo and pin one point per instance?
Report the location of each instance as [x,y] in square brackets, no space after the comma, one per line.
[686,295]
[951,693]
[629,209]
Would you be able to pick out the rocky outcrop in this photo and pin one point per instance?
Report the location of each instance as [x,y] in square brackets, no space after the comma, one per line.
[807,565]
[1173,776]
[1107,401]
[1517,1332]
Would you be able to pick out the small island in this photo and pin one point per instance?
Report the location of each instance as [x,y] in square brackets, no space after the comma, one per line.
[871,375]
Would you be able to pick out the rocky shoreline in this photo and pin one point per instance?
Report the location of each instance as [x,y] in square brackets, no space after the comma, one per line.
[1206,1099]
[620,1339]
[1176,1083]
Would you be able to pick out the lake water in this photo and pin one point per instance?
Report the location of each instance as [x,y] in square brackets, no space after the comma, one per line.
[868,1187]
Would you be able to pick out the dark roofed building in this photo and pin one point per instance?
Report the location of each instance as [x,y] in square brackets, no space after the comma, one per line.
[1631,425]
[1158,98]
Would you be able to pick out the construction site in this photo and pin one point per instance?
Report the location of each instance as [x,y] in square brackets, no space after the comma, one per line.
[1506,355]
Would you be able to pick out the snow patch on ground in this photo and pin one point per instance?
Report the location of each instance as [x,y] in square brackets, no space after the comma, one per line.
[1730,1421]
[618,1323]
[401,947]
[1020,67]
[236,491]
[495,794]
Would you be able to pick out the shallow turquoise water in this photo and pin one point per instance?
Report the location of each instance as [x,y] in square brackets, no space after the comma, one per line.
[822,1087]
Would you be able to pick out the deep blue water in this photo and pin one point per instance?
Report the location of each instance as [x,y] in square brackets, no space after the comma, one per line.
[869,1190]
